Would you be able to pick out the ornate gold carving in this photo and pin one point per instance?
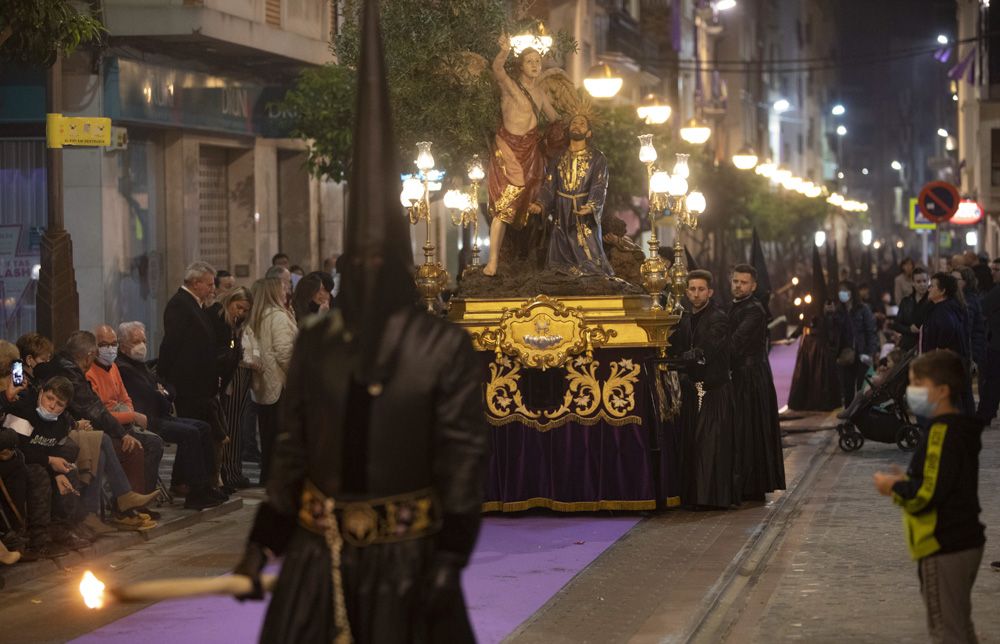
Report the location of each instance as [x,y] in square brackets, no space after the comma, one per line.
[543,333]
[619,389]
[586,400]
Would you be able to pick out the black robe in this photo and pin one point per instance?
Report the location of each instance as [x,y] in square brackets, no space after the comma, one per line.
[425,428]
[758,433]
[712,453]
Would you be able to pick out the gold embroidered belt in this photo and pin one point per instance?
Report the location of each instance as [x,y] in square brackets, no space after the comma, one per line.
[371,521]
[573,197]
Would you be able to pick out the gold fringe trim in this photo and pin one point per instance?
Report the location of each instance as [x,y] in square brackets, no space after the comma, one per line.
[673,501]
[568,506]
[559,422]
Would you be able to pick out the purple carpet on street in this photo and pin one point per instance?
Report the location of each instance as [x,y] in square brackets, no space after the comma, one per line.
[519,563]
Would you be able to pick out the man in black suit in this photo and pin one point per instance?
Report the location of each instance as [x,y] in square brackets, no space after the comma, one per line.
[187,359]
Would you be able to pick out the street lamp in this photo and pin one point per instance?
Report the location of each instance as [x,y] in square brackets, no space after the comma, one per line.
[943,133]
[724,5]
[766,169]
[942,39]
[896,165]
[696,132]
[782,105]
[653,110]
[866,237]
[841,130]
[972,238]
[745,159]
[864,171]
[819,238]
[602,81]
[838,110]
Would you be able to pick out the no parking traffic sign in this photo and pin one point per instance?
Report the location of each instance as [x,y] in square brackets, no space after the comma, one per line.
[938,201]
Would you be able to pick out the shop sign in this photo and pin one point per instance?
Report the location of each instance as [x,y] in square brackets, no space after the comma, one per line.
[141,92]
[969,212]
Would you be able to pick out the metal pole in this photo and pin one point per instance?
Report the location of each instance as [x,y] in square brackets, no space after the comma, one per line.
[57,302]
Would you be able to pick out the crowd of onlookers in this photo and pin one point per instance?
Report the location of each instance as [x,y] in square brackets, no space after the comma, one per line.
[956,307]
[83,425]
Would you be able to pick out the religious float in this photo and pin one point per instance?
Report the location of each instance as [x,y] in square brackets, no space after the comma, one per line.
[577,387]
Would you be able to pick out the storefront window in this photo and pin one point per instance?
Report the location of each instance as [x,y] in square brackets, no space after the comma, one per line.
[23,206]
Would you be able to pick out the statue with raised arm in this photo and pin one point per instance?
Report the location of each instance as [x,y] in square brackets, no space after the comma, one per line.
[517,165]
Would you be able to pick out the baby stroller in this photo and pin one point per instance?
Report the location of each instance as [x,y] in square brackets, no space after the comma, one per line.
[879,414]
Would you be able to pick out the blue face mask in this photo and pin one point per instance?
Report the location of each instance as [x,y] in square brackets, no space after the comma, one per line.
[45,414]
[844,296]
[917,400]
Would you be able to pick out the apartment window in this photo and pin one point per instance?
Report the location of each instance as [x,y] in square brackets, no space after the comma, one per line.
[272,12]
[995,157]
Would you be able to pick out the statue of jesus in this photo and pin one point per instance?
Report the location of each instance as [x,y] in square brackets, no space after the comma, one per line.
[517,166]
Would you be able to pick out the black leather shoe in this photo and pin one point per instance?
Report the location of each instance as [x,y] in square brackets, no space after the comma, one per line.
[215,493]
[200,501]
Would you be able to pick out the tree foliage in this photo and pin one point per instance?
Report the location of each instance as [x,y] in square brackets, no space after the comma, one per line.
[33,31]
[437,58]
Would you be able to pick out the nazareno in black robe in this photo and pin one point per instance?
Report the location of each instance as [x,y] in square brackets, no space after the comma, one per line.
[426,428]
[758,432]
[712,451]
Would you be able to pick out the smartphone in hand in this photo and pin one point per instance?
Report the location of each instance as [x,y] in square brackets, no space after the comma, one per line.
[17,373]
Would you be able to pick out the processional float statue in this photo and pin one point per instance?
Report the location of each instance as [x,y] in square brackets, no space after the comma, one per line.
[535,173]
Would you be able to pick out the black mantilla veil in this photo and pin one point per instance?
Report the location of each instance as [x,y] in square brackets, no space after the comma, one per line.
[378,260]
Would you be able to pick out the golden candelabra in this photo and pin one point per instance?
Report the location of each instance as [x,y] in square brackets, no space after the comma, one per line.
[431,277]
[464,207]
[667,193]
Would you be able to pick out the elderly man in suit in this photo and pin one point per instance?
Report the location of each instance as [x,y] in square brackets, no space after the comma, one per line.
[187,358]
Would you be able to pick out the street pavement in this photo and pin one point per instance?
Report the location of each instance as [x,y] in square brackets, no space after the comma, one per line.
[842,572]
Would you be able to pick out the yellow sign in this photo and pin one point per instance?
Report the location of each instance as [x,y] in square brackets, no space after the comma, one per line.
[917,219]
[77,130]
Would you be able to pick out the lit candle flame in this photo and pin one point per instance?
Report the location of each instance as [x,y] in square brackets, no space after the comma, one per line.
[92,590]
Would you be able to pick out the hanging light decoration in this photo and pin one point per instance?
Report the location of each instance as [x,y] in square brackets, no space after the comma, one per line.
[696,132]
[653,110]
[603,81]
[540,42]
[745,159]
[766,169]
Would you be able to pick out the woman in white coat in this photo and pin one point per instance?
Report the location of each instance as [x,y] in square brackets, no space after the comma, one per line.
[267,348]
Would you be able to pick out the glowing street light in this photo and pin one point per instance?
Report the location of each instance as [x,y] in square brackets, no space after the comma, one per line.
[653,110]
[838,110]
[782,105]
[724,5]
[602,81]
[819,238]
[866,237]
[864,171]
[696,132]
[943,133]
[896,165]
[942,39]
[745,159]
[841,130]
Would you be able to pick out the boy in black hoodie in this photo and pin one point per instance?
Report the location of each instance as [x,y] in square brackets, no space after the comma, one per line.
[939,496]
[43,424]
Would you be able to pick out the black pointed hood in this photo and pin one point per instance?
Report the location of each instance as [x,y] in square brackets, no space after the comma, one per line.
[377,275]
[832,266]
[819,290]
[689,258]
[757,260]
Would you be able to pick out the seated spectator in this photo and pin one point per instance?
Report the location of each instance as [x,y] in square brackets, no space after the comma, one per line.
[35,349]
[53,509]
[149,403]
[72,362]
[13,473]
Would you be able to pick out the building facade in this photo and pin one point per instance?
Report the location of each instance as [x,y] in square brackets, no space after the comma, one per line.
[198,169]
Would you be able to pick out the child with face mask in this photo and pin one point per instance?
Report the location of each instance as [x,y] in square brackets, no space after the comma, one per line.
[939,496]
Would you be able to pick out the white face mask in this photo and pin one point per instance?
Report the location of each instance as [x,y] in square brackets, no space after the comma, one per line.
[917,400]
[45,414]
[138,352]
[845,296]
[106,355]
